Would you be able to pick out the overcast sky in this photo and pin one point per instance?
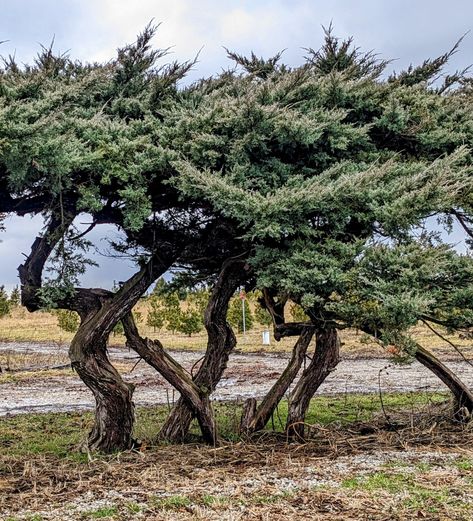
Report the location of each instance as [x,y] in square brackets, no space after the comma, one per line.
[406,31]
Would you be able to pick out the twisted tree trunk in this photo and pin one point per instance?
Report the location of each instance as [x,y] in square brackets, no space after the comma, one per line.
[324,361]
[114,412]
[221,341]
[154,354]
[255,418]
[100,311]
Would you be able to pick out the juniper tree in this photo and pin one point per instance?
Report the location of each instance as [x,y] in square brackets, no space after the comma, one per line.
[68,320]
[4,302]
[190,322]
[321,163]
[155,317]
[87,138]
[15,297]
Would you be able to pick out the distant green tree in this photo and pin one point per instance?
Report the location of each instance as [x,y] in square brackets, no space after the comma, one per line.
[190,322]
[262,316]
[155,318]
[235,314]
[118,329]
[15,297]
[172,311]
[199,299]
[161,288]
[68,320]
[4,302]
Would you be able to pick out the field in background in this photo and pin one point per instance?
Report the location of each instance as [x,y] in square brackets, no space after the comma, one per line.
[22,326]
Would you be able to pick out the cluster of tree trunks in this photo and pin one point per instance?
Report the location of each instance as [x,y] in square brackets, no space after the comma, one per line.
[101,310]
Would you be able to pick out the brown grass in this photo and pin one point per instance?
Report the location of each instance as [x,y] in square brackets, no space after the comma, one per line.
[421,472]
[21,326]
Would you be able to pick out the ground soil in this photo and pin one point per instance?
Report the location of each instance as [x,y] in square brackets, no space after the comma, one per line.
[339,477]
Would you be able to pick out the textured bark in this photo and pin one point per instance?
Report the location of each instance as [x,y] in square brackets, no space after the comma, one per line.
[100,311]
[247,415]
[114,412]
[462,394]
[255,418]
[221,341]
[154,354]
[274,307]
[324,361]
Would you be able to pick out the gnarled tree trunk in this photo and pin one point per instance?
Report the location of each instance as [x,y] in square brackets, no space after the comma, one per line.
[255,418]
[221,341]
[195,399]
[100,311]
[461,392]
[324,361]
[114,412]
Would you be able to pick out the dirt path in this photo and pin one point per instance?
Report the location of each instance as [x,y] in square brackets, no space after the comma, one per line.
[247,375]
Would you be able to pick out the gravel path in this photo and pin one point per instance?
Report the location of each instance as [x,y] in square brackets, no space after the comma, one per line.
[247,375]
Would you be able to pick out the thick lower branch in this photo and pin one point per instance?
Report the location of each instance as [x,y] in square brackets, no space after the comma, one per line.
[221,341]
[155,355]
[252,422]
[324,361]
[461,392]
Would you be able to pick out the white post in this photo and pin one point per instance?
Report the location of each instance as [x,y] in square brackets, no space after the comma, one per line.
[244,316]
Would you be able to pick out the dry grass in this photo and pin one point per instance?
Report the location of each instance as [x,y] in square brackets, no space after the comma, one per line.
[340,474]
[21,326]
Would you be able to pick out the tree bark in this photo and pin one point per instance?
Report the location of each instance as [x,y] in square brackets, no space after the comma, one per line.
[114,412]
[114,418]
[100,311]
[195,399]
[255,418]
[461,392]
[324,361]
[221,341]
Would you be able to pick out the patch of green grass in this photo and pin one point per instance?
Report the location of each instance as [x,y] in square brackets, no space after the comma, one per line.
[60,434]
[417,497]
[423,466]
[47,434]
[392,483]
[464,464]
[171,502]
[133,508]
[355,407]
[211,501]
[101,513]
[435,500]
